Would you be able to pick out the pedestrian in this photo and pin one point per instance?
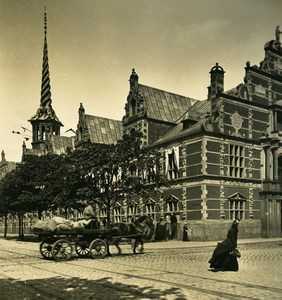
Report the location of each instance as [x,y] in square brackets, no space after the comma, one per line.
[168,228]
[225,255]
[173,221]
[185,233]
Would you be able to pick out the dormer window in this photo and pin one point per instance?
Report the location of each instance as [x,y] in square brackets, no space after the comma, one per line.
[172,163]
[172,203]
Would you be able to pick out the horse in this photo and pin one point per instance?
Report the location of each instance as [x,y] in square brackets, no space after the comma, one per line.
[141,228]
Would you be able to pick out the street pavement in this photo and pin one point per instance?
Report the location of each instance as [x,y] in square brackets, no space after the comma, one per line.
[173,270]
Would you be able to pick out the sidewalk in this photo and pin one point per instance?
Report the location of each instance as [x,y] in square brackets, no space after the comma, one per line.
[172,244]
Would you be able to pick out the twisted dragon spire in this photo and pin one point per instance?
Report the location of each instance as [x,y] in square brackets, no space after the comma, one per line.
[45,82]
[45,110]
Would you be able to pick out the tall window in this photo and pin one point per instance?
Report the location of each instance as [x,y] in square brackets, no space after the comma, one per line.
[150,207]
[103,211]
[172,204]
[237,206]
[117,213]
[172,163]
[132,209]
[236,161]
[280,171]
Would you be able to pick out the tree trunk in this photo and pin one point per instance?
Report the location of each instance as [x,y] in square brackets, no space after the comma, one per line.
[21,227]
[108,214]
[5,225]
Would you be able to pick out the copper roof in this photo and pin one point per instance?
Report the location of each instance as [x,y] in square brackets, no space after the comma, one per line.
[162,105]
[60,144]
[197,113]
[103,130]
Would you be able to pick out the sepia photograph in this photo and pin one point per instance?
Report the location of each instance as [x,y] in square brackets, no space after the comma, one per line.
[141,149]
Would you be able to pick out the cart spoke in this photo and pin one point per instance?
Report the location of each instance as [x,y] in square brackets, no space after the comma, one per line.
[98,248]
[62,250]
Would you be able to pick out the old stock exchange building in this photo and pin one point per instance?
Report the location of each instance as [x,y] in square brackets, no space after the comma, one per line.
[222,155]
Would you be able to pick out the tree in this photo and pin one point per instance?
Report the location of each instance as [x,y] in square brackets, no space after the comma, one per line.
[31,186]
[109,172]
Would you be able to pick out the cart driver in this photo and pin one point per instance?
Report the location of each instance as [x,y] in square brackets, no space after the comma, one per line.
[89,212]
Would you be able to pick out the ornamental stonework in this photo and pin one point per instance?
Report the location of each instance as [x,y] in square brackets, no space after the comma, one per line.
[251,201]
[222,200]
[222,158]
[250,121]
[237,122]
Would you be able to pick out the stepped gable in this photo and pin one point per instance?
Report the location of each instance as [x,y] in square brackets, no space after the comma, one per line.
[6,166]
[262,83]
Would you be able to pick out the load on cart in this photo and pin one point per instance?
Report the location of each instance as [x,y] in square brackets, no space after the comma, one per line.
[60,237]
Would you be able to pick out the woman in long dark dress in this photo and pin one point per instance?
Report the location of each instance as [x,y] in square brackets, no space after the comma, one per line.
[221,259]
[185,233]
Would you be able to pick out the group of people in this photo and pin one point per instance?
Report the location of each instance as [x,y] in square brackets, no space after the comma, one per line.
[166,229]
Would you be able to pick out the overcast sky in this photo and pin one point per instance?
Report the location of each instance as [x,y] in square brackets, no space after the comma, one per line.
[94,44]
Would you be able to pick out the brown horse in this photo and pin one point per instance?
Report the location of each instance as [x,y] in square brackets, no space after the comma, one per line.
[141,228]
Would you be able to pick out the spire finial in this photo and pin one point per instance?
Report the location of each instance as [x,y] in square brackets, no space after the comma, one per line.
[45,21]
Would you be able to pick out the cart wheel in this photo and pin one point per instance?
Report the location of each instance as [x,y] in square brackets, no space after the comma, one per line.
[98,248]
[62,250]
[82,248]
[139,248]
[46,249]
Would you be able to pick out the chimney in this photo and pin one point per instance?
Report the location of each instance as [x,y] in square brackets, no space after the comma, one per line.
[217,81]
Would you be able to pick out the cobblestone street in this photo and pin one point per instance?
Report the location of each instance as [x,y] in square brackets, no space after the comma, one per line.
[167,270]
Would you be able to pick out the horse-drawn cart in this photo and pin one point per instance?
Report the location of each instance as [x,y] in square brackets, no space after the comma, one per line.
[61,244]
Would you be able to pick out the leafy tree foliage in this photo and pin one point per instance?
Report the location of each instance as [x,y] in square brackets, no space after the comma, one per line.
[108,173]
[101,172]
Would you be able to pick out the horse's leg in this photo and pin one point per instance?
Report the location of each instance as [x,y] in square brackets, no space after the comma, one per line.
[108,248]
[135,244]
[116,243]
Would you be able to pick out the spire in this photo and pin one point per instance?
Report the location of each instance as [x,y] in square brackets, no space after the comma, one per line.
[44,123]
[45,82]
[45,110]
